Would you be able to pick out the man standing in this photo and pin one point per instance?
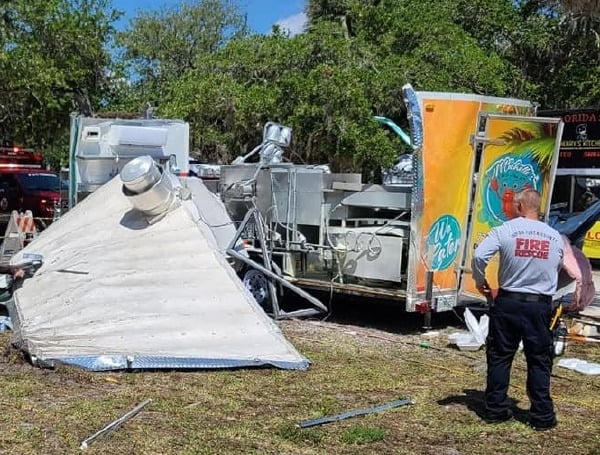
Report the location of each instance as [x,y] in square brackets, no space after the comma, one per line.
[530,257]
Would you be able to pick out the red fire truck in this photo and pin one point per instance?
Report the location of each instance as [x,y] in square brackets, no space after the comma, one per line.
[26,185]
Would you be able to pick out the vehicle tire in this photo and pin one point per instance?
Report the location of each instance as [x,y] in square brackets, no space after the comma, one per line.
[257,284]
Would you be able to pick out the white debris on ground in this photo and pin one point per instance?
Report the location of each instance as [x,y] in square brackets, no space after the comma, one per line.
[117,293]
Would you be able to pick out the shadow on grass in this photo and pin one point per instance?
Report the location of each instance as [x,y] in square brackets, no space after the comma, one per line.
[378,314]
[474,400]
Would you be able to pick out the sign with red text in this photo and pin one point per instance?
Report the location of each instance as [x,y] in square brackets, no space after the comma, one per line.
[580,143]
[591,242]
[531,248]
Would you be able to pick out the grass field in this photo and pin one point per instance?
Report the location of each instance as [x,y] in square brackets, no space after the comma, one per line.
[258,411]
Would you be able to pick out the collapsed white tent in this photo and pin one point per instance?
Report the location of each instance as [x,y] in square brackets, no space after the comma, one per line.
[116,293]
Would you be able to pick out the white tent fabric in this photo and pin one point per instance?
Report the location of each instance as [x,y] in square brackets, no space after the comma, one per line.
[117,293]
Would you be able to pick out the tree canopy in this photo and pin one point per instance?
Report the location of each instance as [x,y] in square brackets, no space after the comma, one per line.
[198,61]
[53,60]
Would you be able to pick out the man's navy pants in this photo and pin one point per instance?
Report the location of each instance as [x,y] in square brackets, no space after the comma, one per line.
[511,321]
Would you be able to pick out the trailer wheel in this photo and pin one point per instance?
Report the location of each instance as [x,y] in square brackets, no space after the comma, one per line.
[257,284]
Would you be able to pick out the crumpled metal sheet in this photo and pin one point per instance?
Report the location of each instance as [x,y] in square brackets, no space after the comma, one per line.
[116,293]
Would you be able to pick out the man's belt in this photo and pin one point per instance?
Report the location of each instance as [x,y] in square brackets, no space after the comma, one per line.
[526,297]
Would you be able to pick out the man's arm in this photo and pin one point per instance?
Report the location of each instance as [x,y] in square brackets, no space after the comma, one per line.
[577,266]
[16,272]
[481,256]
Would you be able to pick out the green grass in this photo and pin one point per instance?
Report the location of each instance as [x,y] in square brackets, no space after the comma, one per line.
[363,435]
[258,411]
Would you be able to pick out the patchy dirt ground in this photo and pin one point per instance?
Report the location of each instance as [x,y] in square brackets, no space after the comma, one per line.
[258,411]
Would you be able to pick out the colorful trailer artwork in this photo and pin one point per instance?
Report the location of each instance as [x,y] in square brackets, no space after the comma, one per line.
[476,153]
[447,161]
[505,177]
[443,242]
[446,177]
[518,153]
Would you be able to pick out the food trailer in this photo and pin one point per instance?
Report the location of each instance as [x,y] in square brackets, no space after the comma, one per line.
[408,240]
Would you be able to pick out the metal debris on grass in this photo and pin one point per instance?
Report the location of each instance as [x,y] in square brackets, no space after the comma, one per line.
[114,425]
[357,412]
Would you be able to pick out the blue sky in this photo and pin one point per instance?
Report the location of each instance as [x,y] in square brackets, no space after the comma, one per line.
[262,14]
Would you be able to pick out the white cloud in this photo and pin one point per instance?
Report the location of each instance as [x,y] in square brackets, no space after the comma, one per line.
[293,24]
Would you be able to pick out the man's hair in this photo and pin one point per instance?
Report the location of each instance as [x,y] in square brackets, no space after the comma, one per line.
[529,198]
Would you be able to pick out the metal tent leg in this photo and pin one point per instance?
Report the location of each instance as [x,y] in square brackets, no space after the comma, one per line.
[267,269]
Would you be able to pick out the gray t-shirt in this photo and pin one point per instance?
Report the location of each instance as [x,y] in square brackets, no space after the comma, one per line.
[531,255]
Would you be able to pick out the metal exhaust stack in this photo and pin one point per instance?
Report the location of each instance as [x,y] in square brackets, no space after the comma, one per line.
[148,187]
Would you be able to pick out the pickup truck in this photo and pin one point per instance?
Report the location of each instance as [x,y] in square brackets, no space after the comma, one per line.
[38,190]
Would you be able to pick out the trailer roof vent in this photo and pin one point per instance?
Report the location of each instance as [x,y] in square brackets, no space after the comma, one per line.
[148,187]
[277,134]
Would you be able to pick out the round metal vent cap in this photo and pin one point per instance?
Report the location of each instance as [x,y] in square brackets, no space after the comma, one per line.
[140,174]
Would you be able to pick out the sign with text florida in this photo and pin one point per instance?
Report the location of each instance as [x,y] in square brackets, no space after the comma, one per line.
[580,142]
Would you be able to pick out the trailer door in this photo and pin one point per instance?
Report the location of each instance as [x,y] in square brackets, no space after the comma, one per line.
[511,153]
